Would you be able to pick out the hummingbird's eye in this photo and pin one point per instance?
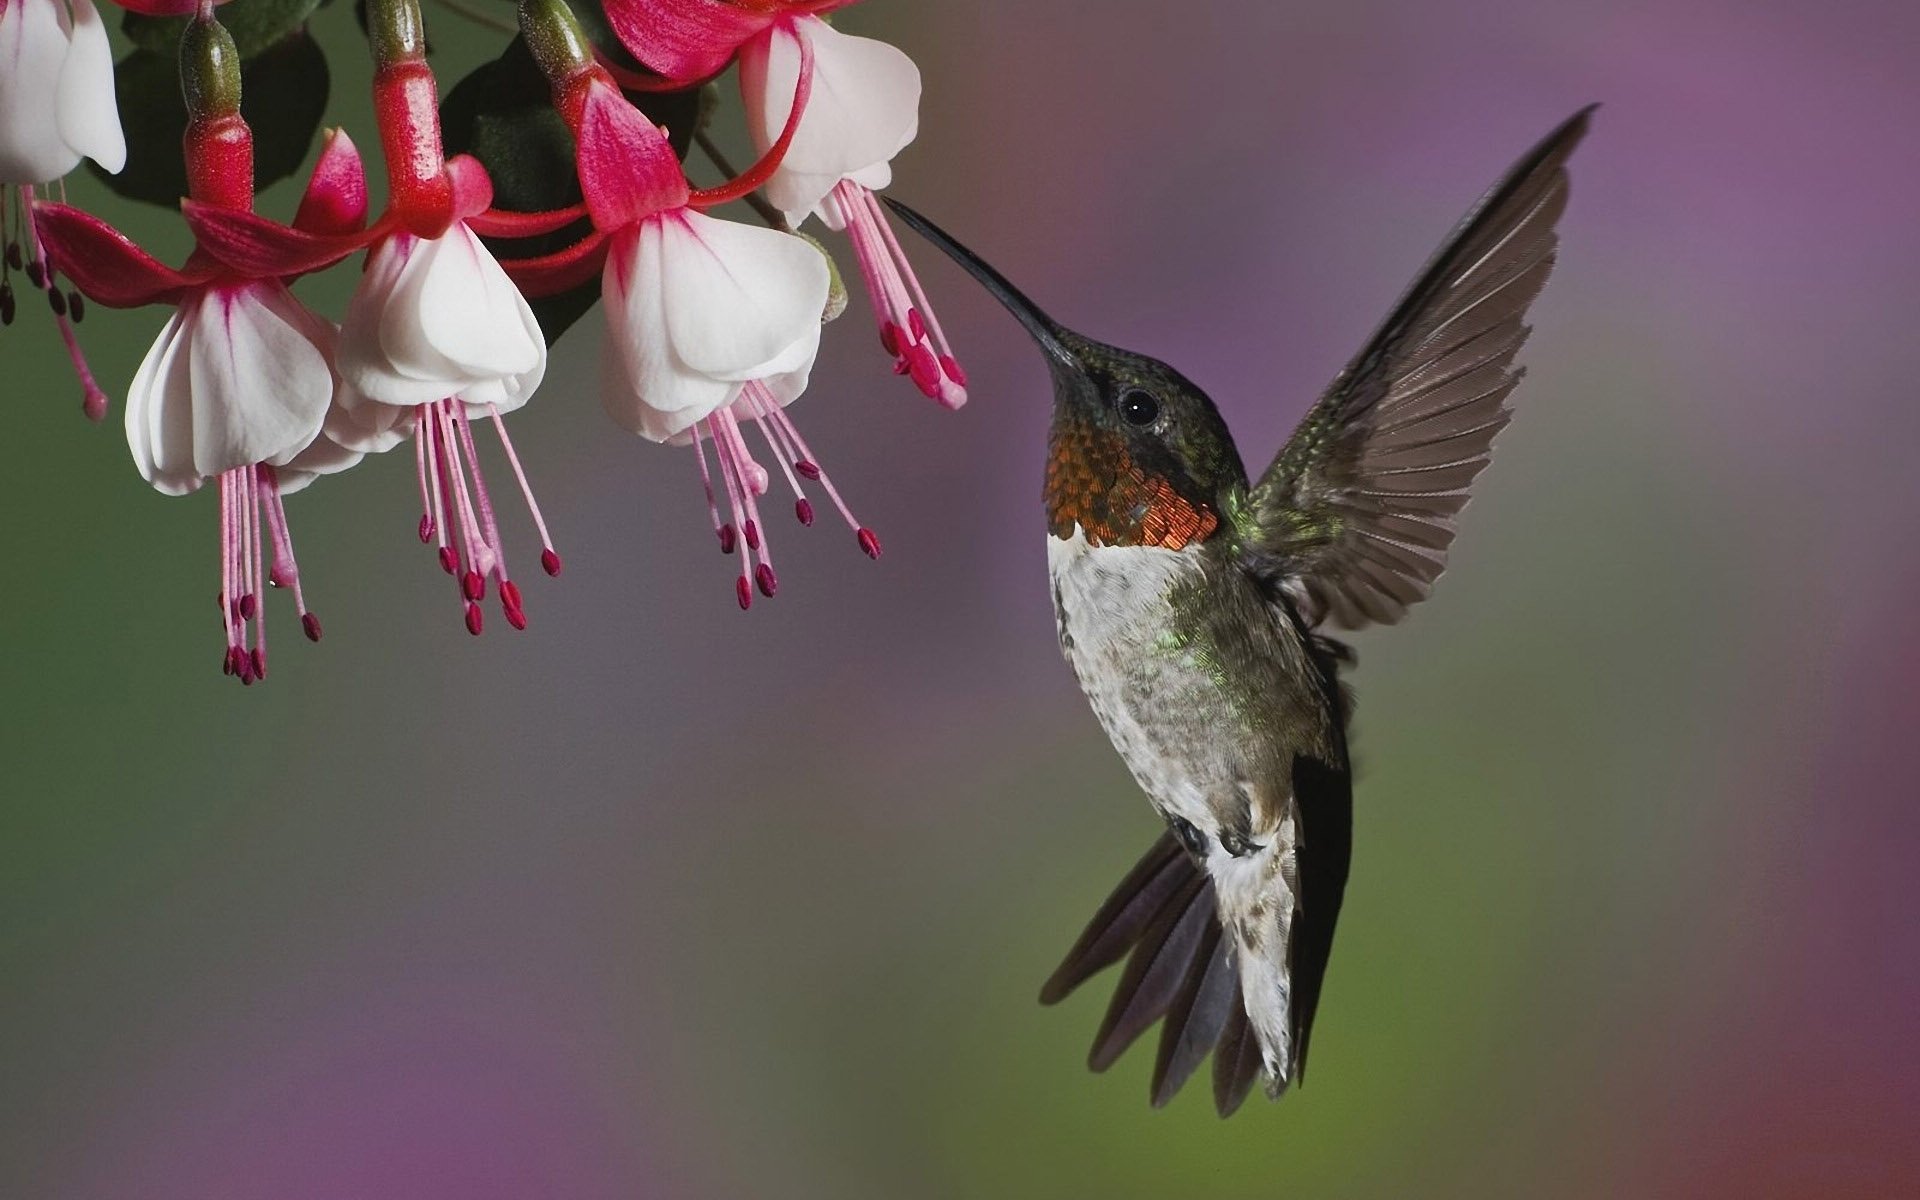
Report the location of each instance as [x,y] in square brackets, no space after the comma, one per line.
[1138,408]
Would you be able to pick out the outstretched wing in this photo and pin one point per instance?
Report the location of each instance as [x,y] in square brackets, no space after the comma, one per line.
[1354,517]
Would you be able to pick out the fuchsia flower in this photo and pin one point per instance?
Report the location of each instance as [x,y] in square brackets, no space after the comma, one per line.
[238,384]
[435,337]
[56,107]
[862,111]
[709,323]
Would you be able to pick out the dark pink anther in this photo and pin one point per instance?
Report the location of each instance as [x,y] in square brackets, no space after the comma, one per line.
[228,664]
[752,531]
[248,606]
[769,582]
[37,273]
[869,542]
[743,591]
[259,660]
[472,586]
[242,665]
[76,307]
[803,509]
[901,366]
[310,624]
[727,539]
[918,326]
[57,301]
[550,562]
[6,304]
[509,594]
[449,559]
[517,617]
[890,338]
[951,366]
[926,370]
[475,621]
[13,255]
[426,527]
[808,469]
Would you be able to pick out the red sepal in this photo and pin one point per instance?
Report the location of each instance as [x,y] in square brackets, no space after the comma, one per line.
[504,223]
[684,39]
[258,248]
[105,264]
[628,170]
[336,197]
[561,271]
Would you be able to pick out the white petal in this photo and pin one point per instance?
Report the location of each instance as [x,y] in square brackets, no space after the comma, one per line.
[159,411]
[643,385]
[33,45]
[367,426]
[864,108]
[323,456]
[261,377]
[89,116]
[363,362]
[436,318]
[471,314]
[738,298]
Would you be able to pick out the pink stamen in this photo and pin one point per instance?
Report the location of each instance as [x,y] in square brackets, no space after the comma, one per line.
[549,558]
[736,501]
[723,531]
[909,330]
[762,403]
[40,272]
[459,510]
[253,521]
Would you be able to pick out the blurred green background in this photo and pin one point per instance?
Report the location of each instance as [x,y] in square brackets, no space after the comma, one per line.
[659,899]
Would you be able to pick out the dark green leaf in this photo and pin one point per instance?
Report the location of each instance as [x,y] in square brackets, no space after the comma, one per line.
[255,25]
[283,96]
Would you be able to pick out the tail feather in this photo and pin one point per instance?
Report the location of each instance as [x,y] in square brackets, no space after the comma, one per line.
[1210,995]
[1121,921]
[1181,968]
[1158,966]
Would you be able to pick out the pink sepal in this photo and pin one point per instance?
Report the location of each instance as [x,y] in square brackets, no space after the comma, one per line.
[105,264]
[628,171]
[684,39]
[258,248]
[336,197]
[551,274]
[503,223]
[472,189]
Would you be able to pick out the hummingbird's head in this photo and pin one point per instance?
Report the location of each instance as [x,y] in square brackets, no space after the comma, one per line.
[1138,454]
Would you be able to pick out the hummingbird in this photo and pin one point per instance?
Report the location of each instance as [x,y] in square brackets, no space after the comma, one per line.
[1195,606]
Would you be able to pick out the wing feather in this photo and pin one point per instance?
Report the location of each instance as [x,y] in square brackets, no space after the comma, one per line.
[1356,513]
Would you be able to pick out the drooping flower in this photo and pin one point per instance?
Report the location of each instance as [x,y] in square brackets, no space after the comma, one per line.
[708,322]
[238,384]
[864,109]
[56,107]
[435,336]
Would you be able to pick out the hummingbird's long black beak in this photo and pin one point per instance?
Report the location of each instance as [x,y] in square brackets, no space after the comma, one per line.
[1044,329]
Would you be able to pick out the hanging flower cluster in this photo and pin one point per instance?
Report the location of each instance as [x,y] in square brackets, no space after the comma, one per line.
[711,325]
